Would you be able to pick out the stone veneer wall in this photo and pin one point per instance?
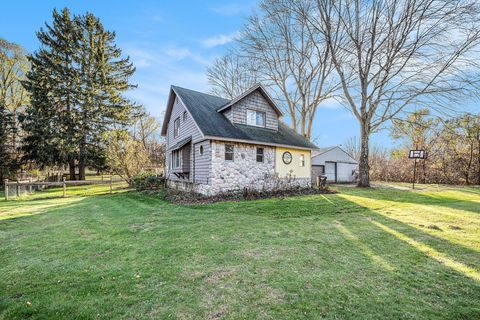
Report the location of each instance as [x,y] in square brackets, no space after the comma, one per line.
[243,171]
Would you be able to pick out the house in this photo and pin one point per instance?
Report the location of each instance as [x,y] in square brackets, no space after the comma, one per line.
[334,163]
[217,145]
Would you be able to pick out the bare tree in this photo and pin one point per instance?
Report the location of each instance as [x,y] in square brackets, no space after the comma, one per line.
[231,75]
[13,96]
[276,49]
[392,54]
[146,130]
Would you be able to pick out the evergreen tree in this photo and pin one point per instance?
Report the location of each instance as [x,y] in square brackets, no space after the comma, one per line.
[104,78]
[77,80]
[50,119]
[6,129]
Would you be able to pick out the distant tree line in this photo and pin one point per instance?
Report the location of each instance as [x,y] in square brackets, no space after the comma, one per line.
[452,147]
[63,106]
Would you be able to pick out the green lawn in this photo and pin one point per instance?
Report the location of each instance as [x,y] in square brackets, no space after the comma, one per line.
[383,253]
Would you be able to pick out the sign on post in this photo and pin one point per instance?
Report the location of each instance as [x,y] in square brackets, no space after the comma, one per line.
[416,154]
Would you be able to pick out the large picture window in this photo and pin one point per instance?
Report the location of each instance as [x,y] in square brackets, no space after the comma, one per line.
[255,118]
[229,152]
[259,154]
[176,127]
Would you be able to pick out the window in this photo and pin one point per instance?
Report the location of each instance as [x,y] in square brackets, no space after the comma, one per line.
[176,127]
[201,150]
[255,118]
[184,116]
[302,160]
[259,154]
[176,159]
[229,152]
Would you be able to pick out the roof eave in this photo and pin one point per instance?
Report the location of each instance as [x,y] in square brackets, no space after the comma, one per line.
[168,112]
[264,93]
[259,143]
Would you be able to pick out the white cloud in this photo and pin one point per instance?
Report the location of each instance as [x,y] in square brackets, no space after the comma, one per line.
[160,67]
[219,39]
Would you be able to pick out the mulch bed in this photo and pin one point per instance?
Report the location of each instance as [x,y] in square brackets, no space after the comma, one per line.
[182,197]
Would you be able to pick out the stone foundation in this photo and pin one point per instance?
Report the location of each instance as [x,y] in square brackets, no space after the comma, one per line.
[243,172]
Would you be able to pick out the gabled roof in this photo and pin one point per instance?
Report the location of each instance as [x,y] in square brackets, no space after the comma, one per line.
[260,89]
[327,149]
[214,125]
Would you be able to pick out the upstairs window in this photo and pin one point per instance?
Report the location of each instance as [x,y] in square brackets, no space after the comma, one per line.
[302,160]
[255,118]
[184,116]
[229,152]
[259,154]
[176,127]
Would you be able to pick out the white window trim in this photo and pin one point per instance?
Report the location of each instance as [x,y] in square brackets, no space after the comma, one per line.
[302,160]
[176,130]
[255,124]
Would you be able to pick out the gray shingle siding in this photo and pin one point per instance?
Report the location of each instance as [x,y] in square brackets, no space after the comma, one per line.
[187,129]
[202,162]
[254,101]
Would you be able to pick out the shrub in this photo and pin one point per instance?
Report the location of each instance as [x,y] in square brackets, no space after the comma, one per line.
[147,181]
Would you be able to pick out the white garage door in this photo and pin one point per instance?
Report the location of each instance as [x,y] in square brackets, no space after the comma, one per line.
[330,171]
[344,172]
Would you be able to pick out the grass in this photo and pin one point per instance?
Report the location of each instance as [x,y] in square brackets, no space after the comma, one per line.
[382,253]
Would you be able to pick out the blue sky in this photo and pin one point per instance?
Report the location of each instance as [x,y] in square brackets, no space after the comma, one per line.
[169,42]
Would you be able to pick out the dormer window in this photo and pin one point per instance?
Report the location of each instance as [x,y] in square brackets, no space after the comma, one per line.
[255,118]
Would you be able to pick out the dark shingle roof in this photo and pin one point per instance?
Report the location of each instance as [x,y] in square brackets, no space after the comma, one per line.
[203,108]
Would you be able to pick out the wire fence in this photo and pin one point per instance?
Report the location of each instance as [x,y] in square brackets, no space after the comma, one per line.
[15,189]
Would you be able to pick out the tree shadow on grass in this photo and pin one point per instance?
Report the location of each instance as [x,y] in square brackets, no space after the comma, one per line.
[325,256]
[405,196]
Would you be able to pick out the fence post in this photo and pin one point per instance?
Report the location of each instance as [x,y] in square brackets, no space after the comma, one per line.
[18,189]
[30,185]
[6,189]
[111,188]
[318,181]
[64,187]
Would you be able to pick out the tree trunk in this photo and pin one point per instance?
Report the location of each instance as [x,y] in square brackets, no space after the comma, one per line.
[71,166]
[363,167]
[81,160]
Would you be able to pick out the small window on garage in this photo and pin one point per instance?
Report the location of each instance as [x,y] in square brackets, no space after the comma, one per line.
[201,150]
[259,154]
[302,160]
[229,152]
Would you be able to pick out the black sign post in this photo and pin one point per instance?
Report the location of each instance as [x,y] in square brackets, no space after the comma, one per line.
[416,154]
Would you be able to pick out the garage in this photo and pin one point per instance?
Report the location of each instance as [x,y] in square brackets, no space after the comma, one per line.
[336,164]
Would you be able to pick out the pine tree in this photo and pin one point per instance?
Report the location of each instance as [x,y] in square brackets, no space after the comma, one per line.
[6,129]
[50,119]
[77,83]
[104,75]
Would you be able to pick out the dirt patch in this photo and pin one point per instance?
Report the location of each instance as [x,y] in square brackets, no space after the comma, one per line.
[455,228]
[434,227]
[219,275]
[217,314]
